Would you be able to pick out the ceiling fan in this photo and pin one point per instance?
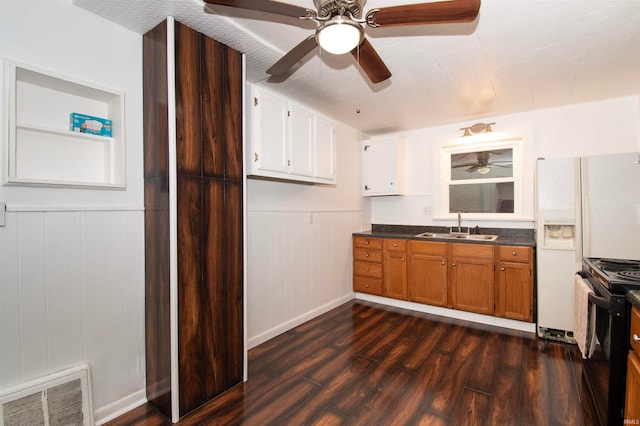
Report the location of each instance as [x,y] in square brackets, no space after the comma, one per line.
[341,26]
[484,163]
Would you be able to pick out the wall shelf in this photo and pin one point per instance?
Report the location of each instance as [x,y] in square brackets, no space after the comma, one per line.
[41,150]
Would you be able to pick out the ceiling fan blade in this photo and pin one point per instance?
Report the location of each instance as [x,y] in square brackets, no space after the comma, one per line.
[265,6]
[294,56]
[370,62]
[442,12]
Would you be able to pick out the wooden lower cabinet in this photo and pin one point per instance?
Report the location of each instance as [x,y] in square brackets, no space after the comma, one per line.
[472,278]
[367,265]
[394,255]
[632,400]
[514,295]
[481,278]
[427,272]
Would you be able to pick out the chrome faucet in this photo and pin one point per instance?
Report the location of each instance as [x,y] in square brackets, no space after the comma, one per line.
[459,221]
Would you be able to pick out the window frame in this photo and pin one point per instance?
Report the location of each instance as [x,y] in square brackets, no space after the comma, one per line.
[516,178]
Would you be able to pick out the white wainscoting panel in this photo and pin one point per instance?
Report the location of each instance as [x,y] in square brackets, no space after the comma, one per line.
[72,292]
[299,266]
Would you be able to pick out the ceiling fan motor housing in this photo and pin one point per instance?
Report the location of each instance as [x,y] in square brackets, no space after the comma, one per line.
[328,8]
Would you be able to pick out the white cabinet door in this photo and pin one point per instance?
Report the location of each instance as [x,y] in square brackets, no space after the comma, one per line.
[288,140]
[325,149]
[301,141]
[382,166]
[270,132]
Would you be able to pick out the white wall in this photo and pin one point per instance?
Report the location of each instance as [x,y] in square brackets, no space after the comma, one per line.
[603,127]
[299,248]
[72,260]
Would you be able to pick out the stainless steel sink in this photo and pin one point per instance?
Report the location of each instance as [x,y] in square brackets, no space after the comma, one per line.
[468,237]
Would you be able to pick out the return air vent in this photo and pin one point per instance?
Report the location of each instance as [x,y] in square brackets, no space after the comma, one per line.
[62,398]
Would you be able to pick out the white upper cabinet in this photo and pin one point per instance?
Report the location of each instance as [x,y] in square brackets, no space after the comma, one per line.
[301,141]
[325,149]
[382,166]
[270,116]
[289,141]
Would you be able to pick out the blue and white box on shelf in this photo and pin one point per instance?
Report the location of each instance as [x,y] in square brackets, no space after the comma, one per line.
[89,124]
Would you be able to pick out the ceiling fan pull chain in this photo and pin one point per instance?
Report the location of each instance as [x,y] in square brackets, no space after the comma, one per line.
[359,81]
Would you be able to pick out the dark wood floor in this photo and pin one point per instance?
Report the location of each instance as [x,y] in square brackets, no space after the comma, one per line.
[368,364]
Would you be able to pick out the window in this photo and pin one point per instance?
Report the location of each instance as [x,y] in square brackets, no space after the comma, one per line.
[483,179]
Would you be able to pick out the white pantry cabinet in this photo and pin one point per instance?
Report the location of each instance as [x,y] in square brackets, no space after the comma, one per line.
[382,166]
[289,141]
[41,149]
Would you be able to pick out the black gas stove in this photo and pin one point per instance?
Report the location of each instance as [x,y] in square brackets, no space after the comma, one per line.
[617,275]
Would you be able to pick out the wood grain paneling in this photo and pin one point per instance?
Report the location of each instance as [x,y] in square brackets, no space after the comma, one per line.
[156,200]
[209,242]
[188,100]
[155,112]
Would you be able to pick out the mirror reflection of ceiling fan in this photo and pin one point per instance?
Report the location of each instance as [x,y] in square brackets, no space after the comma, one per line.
[484,163]
[340,27]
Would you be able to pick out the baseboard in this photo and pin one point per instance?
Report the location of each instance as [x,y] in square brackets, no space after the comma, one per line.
[294,322]
[118,408]
[451,313]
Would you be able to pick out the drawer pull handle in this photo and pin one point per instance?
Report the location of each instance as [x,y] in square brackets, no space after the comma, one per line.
[366,269]
[636,338]
[502,269]
[403,259]
[443,262]
[367,286]
[366,255]
[366,242]
[513,254]
[453,264]
[395,244]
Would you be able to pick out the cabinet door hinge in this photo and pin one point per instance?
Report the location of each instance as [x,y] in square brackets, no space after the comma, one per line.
[288,113]
[255,101]
[255,156]
[288,162]
[366,147]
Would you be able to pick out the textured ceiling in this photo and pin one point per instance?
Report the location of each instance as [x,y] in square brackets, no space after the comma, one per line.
[517,55]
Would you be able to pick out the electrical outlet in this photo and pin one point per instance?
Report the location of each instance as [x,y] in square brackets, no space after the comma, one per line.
[428,210]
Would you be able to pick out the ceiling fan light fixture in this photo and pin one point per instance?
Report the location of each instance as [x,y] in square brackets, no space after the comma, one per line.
[483,170]
[339,35]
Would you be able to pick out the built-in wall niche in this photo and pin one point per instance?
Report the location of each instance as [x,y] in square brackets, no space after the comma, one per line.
[40,147]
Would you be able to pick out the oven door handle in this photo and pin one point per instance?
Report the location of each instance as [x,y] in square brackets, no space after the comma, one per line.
[600,302]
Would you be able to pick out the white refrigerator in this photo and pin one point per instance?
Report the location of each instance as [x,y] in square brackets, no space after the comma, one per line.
[588,206]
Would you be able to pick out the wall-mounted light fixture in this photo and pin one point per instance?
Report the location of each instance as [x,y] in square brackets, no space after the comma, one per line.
[477,128]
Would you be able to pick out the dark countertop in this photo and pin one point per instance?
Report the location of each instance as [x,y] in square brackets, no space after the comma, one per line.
[506,236]
[633,296]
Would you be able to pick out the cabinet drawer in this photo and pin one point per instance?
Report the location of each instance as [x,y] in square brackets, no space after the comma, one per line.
[367,285]
[367,254]
[367,242]
[472,250]
[428,247]
[390,244]
[514,253]
[635,329]
[367,269]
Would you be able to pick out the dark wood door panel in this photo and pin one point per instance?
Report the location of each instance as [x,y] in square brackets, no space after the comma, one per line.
[190,298]
[188,95]
[222,90]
